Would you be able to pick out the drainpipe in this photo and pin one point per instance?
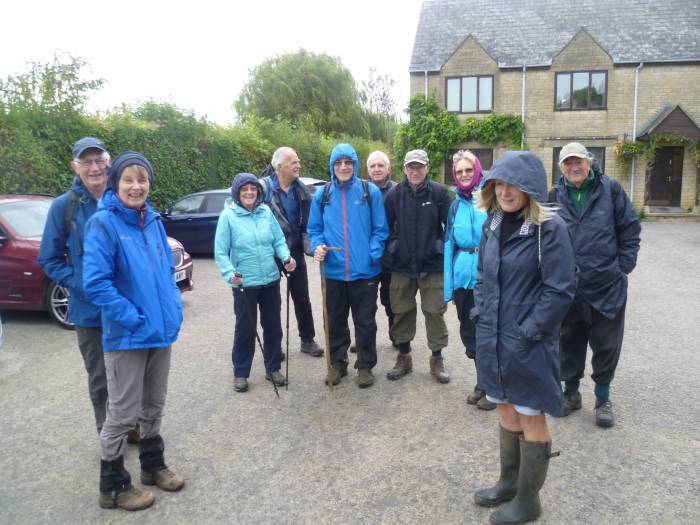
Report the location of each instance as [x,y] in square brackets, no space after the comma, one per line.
[522,110]
[634,126]
[425,85]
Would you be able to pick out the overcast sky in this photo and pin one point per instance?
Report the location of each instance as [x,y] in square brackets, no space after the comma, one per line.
[198,56]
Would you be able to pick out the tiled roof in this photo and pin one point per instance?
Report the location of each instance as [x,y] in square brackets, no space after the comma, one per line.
[520,33]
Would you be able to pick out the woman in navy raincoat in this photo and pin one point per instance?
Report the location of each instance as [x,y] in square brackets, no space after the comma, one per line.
[524,287]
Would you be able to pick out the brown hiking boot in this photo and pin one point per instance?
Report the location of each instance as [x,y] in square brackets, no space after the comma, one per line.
[337,374]
[132,499]
[437,369]
[403,366]
[485,404]
[165,479]
[365,379]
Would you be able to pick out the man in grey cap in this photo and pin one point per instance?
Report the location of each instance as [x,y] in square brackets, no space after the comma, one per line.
[416,212]
[605,233]
[63,235]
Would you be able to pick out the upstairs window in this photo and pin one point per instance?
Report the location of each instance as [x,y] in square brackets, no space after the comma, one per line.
[469,94]
[581,90]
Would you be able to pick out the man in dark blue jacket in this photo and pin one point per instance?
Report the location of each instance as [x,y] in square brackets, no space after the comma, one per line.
[416,211]
[61,258]
[605,233]
[290,202]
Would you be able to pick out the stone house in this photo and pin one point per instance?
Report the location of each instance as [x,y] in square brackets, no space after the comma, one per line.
[598,72]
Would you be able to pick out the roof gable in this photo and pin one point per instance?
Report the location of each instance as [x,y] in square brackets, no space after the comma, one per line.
[628,30]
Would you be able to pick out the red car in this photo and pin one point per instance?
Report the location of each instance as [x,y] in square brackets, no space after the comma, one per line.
[23,285]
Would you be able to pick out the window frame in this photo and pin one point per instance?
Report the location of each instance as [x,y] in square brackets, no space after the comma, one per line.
[590,72]
[477,77]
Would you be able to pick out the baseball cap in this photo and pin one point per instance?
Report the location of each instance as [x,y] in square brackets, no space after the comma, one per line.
[573,149]
[416,155]
[87,143]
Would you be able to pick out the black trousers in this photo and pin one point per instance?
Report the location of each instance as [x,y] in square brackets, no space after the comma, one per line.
[585,326]
[464,301]
[360,298]
[245,305]
[385,285]
[298,282]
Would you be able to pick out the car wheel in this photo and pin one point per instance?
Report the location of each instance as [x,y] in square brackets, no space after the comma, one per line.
[57,304]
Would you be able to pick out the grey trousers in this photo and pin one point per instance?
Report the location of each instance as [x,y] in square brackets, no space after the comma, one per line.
[90,344]
[137,381]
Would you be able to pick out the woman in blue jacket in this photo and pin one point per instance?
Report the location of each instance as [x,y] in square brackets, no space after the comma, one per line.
[248,238]
[524,287]
[128,273]
[464,223]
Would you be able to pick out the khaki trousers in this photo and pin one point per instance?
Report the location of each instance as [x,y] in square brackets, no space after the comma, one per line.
[403,304]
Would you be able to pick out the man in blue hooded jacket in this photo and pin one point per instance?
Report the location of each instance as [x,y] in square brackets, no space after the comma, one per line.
[349,214]
[63,235]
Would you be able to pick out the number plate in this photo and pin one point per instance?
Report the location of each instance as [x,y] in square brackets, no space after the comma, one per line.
[179,276]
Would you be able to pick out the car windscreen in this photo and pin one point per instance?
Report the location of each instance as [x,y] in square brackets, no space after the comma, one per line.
[26,218]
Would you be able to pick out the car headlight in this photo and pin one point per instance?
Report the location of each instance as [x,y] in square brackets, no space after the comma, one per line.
[178,257]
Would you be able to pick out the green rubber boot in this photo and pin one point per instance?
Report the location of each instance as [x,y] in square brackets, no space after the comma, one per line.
[507,484]
[534,460]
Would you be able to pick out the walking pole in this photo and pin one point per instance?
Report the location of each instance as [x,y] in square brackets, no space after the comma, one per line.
[254,329]
[329,368]
[286,387]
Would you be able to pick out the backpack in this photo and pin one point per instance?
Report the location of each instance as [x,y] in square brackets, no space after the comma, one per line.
[365,194]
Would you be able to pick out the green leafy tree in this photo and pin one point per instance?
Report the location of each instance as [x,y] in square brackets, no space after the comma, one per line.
[304,89]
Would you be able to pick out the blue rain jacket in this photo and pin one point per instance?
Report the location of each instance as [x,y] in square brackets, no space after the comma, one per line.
[522,293]
[128,272]
[348,221]
[56,242]
[461,240]
[248,242]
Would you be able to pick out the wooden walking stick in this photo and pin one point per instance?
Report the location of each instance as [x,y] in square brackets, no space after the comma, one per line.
[329,368]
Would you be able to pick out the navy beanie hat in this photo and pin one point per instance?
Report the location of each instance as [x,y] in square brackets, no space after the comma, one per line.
[123,161]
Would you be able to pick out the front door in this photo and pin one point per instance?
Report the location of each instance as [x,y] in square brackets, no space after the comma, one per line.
[665,177]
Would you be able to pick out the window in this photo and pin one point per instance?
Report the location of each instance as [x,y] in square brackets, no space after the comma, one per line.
[187,205]
[581,90]
[469,94]
[485,156]
[215,202]
[598,156]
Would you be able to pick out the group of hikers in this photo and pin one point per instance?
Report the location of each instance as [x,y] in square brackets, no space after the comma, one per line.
[535,277]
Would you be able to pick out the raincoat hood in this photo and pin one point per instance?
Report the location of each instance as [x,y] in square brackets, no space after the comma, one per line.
[340,151]
[241,180]
[521,169]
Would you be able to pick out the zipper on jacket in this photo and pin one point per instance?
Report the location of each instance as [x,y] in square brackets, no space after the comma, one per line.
[155,280]
[345,236]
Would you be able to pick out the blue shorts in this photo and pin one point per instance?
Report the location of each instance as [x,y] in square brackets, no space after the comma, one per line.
[525,411]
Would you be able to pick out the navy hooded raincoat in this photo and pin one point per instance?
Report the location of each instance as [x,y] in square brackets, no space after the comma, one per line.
[521,296]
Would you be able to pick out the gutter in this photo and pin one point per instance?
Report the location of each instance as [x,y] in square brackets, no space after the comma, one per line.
[634,125]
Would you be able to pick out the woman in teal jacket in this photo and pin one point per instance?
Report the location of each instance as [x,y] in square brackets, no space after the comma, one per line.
[464,224]
[248,238]
[128,273]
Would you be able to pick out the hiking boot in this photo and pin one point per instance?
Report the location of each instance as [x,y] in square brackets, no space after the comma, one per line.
[525,506]
[437,369]
[165,479]
[485,404]
[276,377]
[507,483]
[337,374]
[604,416]
[132,499]
[473,398]
[116,490]
[240,384]
[403,366]
[572,401]
[365,379]
[310,347]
